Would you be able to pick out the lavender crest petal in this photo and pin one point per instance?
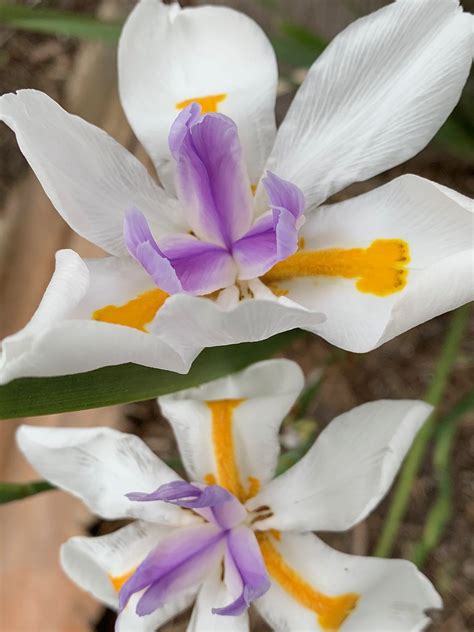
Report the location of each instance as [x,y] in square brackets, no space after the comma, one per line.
[200,267]
[185,119]
[172,554]
[284,194]
[143,248]
[274,236]
[245,570]
[211,177]
[213,502]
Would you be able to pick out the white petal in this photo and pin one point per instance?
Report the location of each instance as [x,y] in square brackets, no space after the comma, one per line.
[129,621]
[62,338]
[375,97]
[213,594]
[168,55]
[191,321]
[100,466]
[92,562]
[437,225]
[91,179]
[268,389]
[393,593]
[348,470]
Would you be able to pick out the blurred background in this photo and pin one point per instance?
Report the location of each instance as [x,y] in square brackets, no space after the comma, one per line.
[67,49]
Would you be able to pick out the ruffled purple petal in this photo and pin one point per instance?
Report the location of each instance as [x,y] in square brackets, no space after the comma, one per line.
[274,236]
[143,248]
[245,571]
[211,176]
[213,502]
[284,195]
[179,561]
[201,267]
[181,263]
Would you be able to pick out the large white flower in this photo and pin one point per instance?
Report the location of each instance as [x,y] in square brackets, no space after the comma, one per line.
[234,536]
[204,262]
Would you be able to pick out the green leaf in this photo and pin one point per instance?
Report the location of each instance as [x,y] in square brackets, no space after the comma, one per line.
[17,491]
[62,23]
[441,511]
[297,46]
[128,382]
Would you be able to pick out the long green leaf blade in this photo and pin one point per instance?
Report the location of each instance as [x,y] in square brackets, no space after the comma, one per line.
[62,23]
[16,491]
[128,382]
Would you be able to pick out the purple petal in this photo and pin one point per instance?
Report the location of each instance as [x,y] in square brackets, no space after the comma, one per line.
[182,558]
[181,263]
[284,195]
[274,236]
[201,267]
[211,176]
[245,570]
[224,509]
[143,248]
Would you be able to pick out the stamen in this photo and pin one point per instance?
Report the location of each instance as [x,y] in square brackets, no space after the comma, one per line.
[208,104]
[136,313]
[380,268]
[331,611]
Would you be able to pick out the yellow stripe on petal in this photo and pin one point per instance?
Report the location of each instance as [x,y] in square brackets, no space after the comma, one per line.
[208,104]
[331,611]
[119,580]
[379,269]
[137,313]
[222,436]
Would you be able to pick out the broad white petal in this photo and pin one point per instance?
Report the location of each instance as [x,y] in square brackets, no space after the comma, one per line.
[437,225]
[92,563]
[62,338]
[348,470]
[268,390]
[91,179]
[100,466]
[129,621]
[191,321]
[168,56]
[393,594]
[375,97]
[214,594]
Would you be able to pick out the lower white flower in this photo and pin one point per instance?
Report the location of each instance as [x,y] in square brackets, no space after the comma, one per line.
[236,536]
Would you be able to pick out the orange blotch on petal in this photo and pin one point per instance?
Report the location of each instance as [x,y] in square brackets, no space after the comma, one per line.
[208,104]
[331,611]
[119,580]
[137,313]
[379,269]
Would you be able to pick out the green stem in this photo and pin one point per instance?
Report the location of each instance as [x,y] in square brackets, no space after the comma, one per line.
[442,509]
[415,457]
